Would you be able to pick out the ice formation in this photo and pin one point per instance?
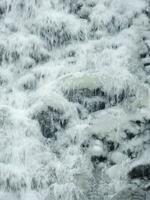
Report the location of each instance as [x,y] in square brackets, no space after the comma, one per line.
[74,100]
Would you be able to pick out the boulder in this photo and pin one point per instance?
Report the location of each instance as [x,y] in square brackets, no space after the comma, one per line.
[94,100]
[51,121]
[94,92]
[98,159]
[140,172]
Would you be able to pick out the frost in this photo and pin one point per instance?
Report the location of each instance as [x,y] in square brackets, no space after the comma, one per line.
[74,99]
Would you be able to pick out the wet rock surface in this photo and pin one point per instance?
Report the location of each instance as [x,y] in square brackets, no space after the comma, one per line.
[94,100]
[51,121]
[140,172]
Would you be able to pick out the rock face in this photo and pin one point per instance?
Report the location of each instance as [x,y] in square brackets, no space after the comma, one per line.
[88,91]
[98,159]
[94,100]
[140,172]
[51,121]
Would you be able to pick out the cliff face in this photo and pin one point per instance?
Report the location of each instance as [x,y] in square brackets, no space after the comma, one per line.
[74,100]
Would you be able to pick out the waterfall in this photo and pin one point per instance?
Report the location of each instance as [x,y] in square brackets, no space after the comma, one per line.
[74,100]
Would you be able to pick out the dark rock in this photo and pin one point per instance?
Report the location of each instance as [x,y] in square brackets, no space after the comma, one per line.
[129,134]
[51,121]
[146,64]
[94,104]
[140,172]
[94,100]
[2,8]
[91,99]
[143,55]
[98,159]
[130,194]
[131,154]
[138,122]
[77,95]
[110,145]
[2,11]
[75,6]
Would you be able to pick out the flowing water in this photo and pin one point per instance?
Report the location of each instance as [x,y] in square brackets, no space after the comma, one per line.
[74,100]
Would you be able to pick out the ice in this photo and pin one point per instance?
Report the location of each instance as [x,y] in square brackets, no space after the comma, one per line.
[74,99]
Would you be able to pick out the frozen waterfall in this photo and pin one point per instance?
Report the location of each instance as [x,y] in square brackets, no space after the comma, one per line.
[74,100]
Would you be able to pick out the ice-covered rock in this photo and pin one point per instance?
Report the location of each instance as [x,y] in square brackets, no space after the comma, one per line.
[91,91]
[51,121]
[51,114]
[140,172]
